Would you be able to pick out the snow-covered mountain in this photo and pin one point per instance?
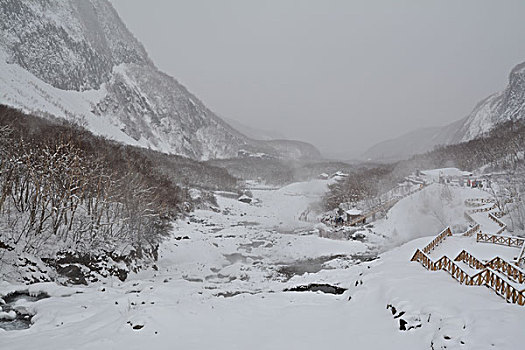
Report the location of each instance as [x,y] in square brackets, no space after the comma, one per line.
[500,107]
[495,109]
[414,142]
[76,59]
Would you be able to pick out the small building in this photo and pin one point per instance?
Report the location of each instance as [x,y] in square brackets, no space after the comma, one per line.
[324,176]
[339,174]
[354,214]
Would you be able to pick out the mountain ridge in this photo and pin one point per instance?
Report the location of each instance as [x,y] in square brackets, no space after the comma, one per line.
[491,111]
[76,60]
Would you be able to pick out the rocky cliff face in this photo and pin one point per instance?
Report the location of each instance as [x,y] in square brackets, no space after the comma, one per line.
[493,110]
[75,59]
[72,45]
[500,107]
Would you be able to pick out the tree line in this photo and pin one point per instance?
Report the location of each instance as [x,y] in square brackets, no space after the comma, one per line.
[62,188]
[502,149]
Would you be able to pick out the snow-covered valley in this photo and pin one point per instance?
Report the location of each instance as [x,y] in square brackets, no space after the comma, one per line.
[221,279]
[134,216]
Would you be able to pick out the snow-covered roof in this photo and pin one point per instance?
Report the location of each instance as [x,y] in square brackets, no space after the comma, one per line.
[339,173]
[354,212]
[244,198]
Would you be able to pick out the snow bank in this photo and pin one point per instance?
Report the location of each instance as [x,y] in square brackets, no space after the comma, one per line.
[427,212]
[221,289]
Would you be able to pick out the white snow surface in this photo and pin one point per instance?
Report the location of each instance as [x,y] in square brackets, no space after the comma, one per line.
[427,212]
[24,91]
[76,60]
[222,289]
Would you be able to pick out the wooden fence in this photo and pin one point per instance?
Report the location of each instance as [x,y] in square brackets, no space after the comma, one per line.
[476,202]
[490,271]
[470,260]
[472,230]
[445,263]
[498,264]
[486,276]
[503,288]
[500,223]
[499,214]
[424,260]
[510,241]
[512,272]
[481,210]
[436,241]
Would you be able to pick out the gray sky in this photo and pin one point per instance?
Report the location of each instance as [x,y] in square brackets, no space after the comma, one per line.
[342,75]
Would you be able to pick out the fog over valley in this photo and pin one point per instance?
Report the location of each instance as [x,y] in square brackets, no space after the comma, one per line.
[262,174]
[343,75]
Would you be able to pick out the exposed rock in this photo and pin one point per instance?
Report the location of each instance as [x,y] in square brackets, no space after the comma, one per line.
[80,46]
[491,111]
[316,287]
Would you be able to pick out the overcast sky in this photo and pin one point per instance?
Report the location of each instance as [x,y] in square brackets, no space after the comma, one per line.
[342,75]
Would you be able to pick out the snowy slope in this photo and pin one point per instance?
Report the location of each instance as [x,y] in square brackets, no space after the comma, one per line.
[22,90]
[76,60]
[413,142]
[500,107]
[425,213]
[222,289]
[495,109]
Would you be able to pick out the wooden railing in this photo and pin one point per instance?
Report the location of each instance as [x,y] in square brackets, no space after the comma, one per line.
[496,220]
[470,260]
[493,216]
[503,288]
[444,263]
[472,230]
[424,260]
[481,210]
[499,214]
[475,202]
[512,272]
[500,223]
[498,264]
[500,231]
[510,241]
[436,241]
[490,271]
[486,276]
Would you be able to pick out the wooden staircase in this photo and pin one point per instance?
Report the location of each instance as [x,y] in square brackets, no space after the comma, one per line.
[505,279]
[497,274]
